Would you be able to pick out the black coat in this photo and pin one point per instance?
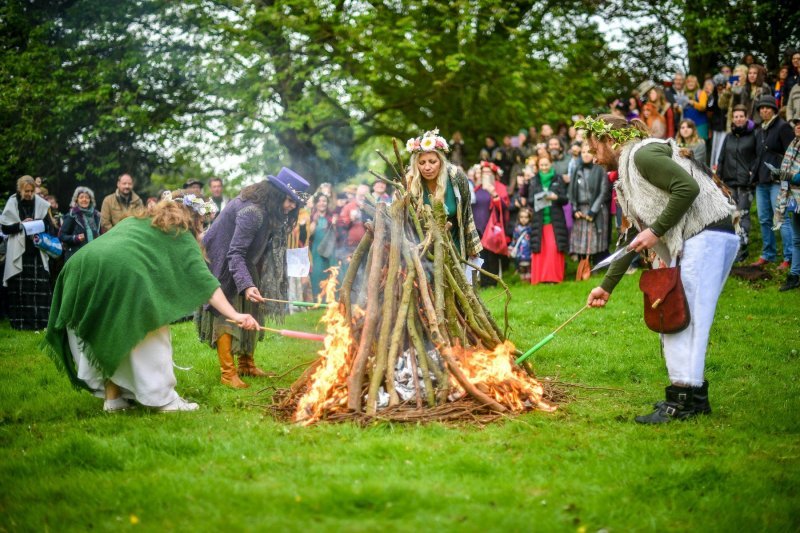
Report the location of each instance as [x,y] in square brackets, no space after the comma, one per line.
[557,217]
[771,144]
[74,224]
[737,158]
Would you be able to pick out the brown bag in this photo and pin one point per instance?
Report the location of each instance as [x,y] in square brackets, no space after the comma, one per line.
[584,271]
[665,307]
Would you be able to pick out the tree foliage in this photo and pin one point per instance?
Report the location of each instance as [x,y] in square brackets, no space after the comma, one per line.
[163,89]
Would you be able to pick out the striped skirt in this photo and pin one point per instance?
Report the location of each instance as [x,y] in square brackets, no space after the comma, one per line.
[29,295]
[590,237]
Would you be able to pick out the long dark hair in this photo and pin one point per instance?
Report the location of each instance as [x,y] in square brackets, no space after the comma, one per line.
[271,198]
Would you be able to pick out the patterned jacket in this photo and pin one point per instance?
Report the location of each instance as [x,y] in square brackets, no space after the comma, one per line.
[468,236]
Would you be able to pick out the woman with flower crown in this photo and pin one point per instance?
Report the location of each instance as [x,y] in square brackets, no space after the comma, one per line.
[114,301]
[431,176]
[678,213]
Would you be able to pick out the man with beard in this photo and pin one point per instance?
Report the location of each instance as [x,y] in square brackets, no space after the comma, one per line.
[119,204]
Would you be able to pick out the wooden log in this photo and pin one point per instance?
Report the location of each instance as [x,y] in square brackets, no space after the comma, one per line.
[398,332]
[352,270]
[422,281]
[469,312]
[356,377]
[426,364]
[389,305]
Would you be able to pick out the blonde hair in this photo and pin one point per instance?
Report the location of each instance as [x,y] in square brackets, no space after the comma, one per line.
[415,178]
[25,180]
[696,82]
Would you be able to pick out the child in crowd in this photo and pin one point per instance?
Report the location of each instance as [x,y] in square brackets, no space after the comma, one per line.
[520,249]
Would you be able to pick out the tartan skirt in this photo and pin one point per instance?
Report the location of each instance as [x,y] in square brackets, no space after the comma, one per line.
[29,295]
[580,239]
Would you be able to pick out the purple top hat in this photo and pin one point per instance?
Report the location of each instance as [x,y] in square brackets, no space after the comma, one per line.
[292,183]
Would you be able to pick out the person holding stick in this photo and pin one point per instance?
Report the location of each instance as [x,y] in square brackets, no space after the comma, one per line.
[246,249]
[114,301]
[431,175]
[680,214]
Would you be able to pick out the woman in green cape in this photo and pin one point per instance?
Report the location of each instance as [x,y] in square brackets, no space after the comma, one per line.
[115,298]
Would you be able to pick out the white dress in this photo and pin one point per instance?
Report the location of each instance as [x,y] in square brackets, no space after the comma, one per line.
[144,375]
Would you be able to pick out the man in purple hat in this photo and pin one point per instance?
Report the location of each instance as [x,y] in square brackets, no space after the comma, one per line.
[246,248]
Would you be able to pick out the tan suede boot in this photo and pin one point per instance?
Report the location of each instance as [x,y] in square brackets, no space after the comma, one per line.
[247,367]
[226,366]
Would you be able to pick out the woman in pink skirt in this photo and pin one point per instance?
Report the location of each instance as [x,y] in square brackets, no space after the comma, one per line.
[547,193]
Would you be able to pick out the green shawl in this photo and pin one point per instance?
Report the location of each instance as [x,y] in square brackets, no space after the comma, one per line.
[120,287]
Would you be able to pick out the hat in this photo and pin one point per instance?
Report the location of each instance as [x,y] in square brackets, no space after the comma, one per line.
[767,101]
[291,183]
[191,182]
[645,87]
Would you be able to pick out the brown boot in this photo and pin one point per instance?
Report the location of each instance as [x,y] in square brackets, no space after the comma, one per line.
[226,366]
[247,367]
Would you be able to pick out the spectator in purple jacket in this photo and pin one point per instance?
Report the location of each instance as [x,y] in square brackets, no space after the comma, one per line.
[246,249]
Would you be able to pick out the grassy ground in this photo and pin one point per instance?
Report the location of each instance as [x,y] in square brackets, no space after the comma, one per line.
[67,466]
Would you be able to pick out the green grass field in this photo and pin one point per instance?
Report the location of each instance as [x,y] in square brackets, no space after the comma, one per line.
[67,466]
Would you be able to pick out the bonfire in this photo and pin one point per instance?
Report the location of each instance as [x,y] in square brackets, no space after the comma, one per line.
[410,339]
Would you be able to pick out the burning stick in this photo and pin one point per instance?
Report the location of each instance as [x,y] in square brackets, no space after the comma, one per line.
[290,333]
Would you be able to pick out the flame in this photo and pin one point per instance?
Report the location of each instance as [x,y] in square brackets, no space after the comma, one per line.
[328,385]
[494,373]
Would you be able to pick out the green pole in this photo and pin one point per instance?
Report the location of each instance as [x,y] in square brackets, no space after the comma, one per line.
[530,352]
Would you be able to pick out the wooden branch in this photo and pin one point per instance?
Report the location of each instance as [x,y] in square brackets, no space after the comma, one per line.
[356,377]
[389,302]
[352,270]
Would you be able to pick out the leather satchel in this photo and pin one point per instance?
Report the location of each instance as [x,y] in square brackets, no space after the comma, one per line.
[665,307]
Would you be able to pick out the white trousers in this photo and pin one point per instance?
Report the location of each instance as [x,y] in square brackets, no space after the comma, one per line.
[706,262]
[144,375]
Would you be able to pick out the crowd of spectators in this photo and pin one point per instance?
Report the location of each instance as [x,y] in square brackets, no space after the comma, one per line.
[551,200]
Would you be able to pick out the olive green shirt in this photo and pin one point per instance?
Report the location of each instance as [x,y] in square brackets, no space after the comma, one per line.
[656,165]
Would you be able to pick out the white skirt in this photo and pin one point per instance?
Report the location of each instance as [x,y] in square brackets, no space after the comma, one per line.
[144,375]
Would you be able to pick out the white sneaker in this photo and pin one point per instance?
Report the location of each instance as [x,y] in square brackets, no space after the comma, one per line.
[117,404]
[178,404]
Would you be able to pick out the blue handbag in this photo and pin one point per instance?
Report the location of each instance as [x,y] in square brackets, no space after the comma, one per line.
[48,244]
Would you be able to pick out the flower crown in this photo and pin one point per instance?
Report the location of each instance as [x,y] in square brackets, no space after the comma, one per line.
[200,206]
[600,128]
[491,166]
[429,141]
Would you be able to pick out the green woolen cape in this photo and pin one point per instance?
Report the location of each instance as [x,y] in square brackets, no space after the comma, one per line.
[121,286]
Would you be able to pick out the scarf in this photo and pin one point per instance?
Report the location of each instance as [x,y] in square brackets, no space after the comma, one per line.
[88,218]
[16,242]
[547,179]
[274,281]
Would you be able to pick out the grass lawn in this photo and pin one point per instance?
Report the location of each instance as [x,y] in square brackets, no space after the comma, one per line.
[67,466]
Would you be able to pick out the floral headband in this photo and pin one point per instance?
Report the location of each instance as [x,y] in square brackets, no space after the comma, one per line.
[599,128]
[491,166]
[200,206]
[429,141]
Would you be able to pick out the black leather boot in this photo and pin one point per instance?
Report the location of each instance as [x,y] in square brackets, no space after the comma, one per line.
[700,403]
[700,400]
[792,282]
[678,405]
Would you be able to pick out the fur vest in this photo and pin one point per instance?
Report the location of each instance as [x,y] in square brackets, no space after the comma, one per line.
[642,202]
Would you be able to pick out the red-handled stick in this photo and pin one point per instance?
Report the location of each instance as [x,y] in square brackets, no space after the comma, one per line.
[290,333]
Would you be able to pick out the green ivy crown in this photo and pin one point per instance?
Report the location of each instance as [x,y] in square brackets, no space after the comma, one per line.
[599,128]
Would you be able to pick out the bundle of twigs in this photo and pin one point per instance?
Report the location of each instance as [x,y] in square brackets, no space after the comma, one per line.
[415,297]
